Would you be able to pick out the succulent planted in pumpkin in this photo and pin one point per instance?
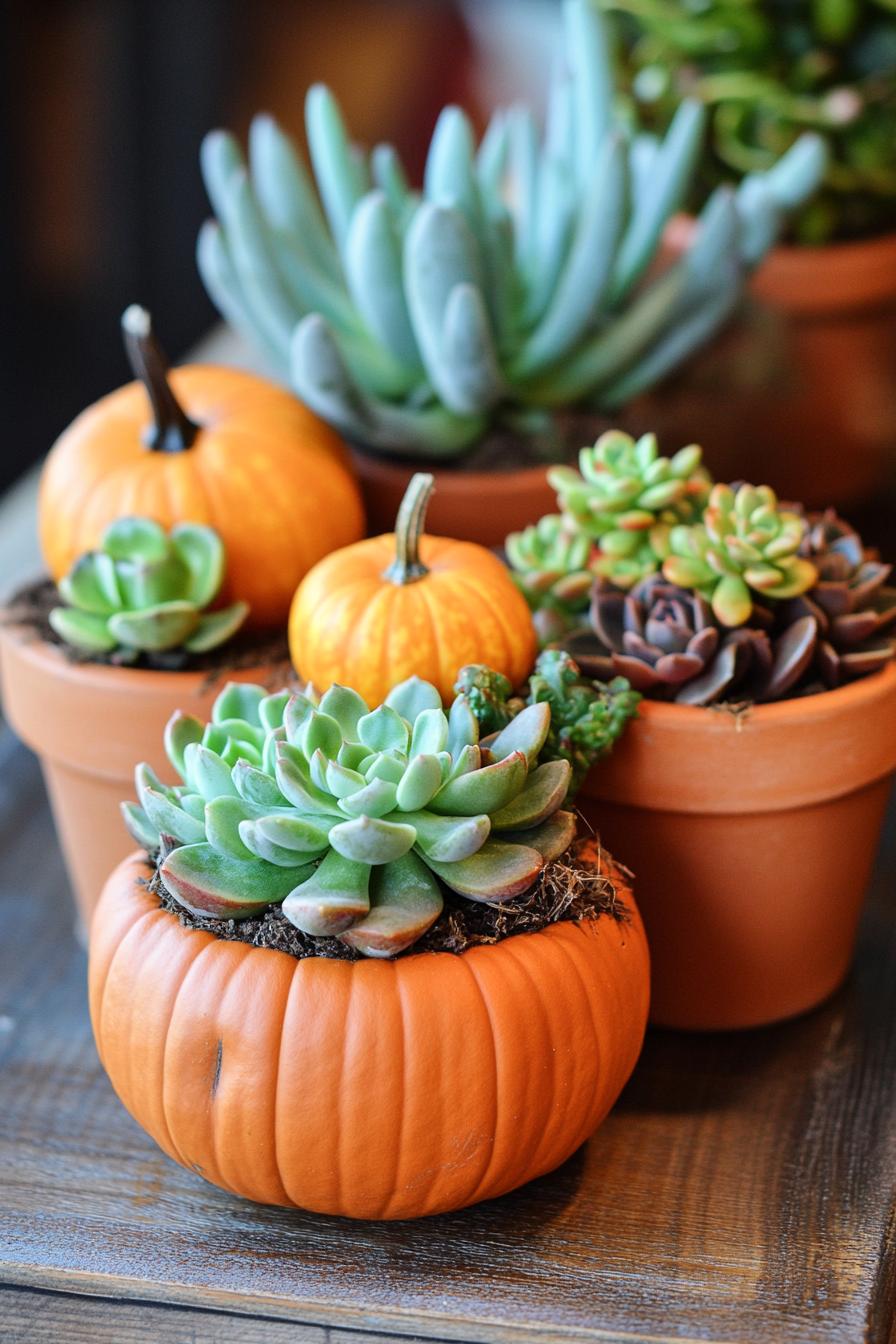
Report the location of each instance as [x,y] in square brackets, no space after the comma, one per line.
[551,562]
[145,591]
[744,544]
[352,818]
[851,604]
[625,497]
[411,320]
[670,646]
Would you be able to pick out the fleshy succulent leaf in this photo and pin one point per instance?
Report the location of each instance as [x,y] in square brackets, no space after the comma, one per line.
[545,791]
[201,551]
[332,899]
[410,698]
[551,838]
[384,730]
[483,790]
[169,819]
[140,827]
[497,872]
[449,839]
[180,730]
[208,774]
[346,707]
[216,628]
[405,901]
[214,885]
[371,840]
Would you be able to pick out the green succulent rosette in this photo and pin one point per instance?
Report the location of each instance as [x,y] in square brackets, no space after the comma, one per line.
[744,544]
[625,499]
[353,820]
[145,591]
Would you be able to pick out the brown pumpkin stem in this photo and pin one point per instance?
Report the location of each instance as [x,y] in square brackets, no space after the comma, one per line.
[173,431]
[407,566]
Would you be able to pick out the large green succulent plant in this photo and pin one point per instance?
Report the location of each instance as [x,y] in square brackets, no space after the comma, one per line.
[145,591]
[351,818]
[411,320]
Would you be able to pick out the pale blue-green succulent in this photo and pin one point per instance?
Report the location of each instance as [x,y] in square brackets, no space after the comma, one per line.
[516,280]
[351,819]
[145,591]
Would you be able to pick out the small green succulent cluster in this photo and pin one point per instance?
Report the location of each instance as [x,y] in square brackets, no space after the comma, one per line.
[630,515]
[517,278]
[587,717]
[552,565]
[626,498]
[352,819]
[145,591]
[743,544]
[618,511]
[768,70]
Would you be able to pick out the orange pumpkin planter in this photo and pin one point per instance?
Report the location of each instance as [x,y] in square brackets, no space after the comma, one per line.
[404,603]
[372,1089]
[221,447]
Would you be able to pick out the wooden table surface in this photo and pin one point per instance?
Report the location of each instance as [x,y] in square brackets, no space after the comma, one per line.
[743,1189]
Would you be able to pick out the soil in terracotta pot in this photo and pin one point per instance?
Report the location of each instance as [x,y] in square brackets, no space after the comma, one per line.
[579,885]
[29,609]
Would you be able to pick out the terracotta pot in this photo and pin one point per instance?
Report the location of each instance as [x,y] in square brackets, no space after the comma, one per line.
[371,1089]
[481,506]
[800,391]
[90,725]
[753,839]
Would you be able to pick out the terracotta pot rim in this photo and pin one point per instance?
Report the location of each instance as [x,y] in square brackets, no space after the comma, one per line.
[852,275]
[450,479]
[99,676]
[775,758]
[805,708]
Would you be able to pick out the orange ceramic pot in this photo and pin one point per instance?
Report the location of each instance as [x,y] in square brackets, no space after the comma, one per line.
[800,391]
[90,724]
[753,839]
[481,506]
[371,1089]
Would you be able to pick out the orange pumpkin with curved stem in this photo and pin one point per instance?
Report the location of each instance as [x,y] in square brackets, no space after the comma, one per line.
[406,604]
[371,1089]
[203,445]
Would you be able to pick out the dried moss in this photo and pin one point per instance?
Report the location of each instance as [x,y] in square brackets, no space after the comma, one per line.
[582,884]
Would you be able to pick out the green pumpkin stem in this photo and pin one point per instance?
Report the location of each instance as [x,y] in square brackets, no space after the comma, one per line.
[407,566]
[173,431]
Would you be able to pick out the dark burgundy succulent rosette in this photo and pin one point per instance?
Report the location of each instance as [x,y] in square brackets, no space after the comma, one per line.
[669,644]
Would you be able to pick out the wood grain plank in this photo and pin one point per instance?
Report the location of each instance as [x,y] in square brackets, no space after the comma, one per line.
[32,1317]
[742,1190]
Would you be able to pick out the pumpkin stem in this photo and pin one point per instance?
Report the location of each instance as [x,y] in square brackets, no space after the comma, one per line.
[173,430]
[407,566]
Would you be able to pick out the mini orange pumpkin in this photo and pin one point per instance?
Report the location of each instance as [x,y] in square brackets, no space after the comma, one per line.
[372,1089]
[241,454]
[404,604]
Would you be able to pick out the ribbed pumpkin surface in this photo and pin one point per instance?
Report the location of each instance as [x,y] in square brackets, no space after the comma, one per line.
[270,477]
[371,1089]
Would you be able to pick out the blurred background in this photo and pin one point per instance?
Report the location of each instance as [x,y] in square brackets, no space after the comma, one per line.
[105,103]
